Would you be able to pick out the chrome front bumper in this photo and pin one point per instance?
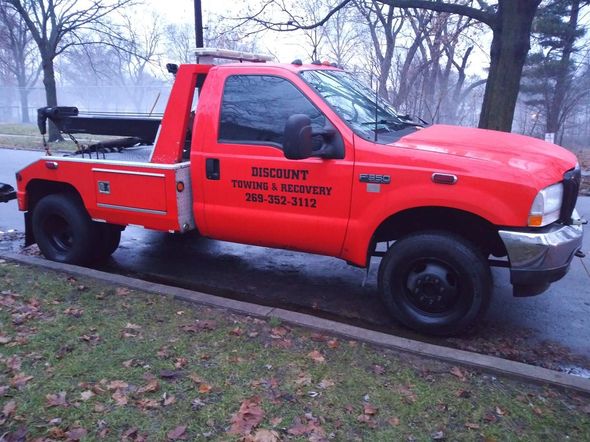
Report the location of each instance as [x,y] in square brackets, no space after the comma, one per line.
[538,258]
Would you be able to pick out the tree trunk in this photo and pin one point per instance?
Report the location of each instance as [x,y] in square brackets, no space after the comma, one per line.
[50,94]
[510,46]
[562,83]
[24,104]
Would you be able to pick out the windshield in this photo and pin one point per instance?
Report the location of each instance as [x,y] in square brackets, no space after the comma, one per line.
[355,104]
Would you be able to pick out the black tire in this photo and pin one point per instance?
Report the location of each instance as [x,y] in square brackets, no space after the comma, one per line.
[108,239]
[63,229]
[437,283]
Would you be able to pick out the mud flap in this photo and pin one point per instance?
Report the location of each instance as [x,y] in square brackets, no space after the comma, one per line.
[29,236]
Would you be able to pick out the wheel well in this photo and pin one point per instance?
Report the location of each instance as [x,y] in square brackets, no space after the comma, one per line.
[471,227]
[37,189]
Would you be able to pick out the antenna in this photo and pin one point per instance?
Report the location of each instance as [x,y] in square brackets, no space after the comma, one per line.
[376,105]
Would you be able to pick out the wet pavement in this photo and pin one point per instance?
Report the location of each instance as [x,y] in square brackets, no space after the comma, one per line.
[550,330]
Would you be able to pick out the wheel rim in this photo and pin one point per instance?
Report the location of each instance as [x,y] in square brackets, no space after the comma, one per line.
[432,286]
[59,232]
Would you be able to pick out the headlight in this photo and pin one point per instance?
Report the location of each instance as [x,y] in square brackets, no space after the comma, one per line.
[546,206]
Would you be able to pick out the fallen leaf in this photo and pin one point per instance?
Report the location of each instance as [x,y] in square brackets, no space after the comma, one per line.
[326,383]
[490,418]
[278,332]
[56,433]
[19,380]
[117,385]
[195,378]
[13,363]
[393,421]
[538,411]
[369,409]
[75,312]
[5,339]
[120,398]
[151,386]
[236,332]
[247,417]
[131,326]
[303,379]
[472,426]
[205,388]
[438,435]
[168,399]
[9,408]
[263,435]
[85,395]
[316,356]
[333,343]
[76,434]
[407,393]
[148,404]
[179,433]
[500,411]
[456,371]
[122,291]
[378,369]
[128,363]
[180,362]
[56,400]
[318,337]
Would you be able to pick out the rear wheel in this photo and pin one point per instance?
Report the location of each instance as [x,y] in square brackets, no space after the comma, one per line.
[63,230]
[435,282]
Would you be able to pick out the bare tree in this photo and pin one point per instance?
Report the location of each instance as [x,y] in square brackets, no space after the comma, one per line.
[56,25]
[509,20]
[17,56]
[341,35]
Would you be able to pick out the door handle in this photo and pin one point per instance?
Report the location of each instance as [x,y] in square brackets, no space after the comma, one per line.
[212,168]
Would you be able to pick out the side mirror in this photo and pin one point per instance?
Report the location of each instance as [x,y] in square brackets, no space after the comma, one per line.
[297,138]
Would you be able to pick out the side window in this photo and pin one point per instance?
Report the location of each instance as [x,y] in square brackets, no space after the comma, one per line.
[255,109]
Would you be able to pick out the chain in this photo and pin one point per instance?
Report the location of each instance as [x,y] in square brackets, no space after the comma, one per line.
[46,146]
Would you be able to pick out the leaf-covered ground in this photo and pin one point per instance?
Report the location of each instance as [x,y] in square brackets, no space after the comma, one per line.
[80,360]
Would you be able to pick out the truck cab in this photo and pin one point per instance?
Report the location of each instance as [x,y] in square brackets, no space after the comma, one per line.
[304,157]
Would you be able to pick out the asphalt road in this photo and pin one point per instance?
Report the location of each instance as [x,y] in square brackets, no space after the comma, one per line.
[326,286]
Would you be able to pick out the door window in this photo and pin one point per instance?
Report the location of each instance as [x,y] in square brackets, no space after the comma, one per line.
[255,109]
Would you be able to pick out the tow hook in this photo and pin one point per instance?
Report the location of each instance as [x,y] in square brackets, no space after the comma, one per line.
[579,222]
[7,193]
[580,254]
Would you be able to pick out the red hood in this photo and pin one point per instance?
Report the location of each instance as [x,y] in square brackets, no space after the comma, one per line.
[545,161]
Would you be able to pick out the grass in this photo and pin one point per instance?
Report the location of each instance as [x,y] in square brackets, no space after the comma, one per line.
[27,136]
[103,345]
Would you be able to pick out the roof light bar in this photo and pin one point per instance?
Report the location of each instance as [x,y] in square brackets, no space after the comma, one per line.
[206,55]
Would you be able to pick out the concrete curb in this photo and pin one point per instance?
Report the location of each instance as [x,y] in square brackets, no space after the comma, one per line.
[491,364]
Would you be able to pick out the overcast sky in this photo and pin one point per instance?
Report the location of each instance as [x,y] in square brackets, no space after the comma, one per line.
[286,46]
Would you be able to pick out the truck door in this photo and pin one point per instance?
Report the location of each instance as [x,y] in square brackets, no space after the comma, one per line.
[252,193]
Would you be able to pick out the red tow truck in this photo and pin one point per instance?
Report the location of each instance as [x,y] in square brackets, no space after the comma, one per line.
[304,157]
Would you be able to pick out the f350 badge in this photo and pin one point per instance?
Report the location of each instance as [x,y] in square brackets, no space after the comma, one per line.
[374,179]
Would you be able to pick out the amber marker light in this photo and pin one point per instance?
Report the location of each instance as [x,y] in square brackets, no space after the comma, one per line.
[535,220]
[180,186]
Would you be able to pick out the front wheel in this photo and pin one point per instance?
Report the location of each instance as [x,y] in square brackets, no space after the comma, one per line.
[435,282]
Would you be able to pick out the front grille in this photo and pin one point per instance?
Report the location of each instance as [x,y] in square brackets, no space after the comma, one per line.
[571,186]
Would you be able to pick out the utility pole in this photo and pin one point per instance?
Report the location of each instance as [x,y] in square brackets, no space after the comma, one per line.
[198,23]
